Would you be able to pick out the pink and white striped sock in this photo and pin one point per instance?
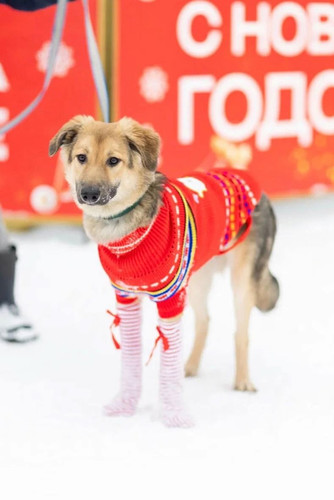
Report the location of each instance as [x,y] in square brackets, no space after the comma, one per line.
[173,412]
[125,403]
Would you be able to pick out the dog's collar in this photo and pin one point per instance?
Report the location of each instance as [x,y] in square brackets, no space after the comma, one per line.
[126,210]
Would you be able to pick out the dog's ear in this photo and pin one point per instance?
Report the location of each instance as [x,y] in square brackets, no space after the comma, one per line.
[68,132]
[143,140]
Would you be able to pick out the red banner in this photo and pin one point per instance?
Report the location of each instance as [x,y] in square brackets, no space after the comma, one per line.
[31,183]
[211,74]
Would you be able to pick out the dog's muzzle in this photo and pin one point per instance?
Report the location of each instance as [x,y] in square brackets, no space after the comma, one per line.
[94,194]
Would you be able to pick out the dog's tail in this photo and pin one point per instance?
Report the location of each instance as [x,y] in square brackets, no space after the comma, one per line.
[266,285]
[267,291]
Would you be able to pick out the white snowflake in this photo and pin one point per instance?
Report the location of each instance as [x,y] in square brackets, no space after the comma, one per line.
[64,59]
[44,199]
[153,84]
[319,189]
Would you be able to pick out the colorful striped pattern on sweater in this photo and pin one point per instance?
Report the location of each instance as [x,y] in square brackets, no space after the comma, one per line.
[182,275]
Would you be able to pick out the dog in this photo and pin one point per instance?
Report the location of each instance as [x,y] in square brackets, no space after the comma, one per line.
[155,237]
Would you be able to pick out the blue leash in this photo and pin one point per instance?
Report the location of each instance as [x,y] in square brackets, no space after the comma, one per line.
[94,58]
[96,64]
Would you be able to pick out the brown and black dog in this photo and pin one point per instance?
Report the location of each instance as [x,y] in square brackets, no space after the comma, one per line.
[109,167]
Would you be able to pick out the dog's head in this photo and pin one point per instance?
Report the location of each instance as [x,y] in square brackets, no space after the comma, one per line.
[109,166]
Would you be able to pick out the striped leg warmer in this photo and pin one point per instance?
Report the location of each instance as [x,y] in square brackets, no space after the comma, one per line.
[173,412]
[125,403]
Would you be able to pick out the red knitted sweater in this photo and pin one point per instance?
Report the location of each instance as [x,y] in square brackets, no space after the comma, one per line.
[199,216]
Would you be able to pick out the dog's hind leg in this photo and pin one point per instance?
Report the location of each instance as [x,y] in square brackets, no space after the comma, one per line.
[199,287]
[252,283]
[125,403]
[244,301]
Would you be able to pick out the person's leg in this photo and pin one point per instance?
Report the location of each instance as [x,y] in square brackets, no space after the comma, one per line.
[7,266]
[4,239]
[13,327]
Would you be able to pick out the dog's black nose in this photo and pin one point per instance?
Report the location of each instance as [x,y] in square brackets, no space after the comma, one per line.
[90,195]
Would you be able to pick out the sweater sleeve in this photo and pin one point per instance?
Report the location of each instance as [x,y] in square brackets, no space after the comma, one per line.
[168,308]
[173,306]
[125,299]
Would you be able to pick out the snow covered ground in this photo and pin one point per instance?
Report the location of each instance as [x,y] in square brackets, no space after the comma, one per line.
[278,443]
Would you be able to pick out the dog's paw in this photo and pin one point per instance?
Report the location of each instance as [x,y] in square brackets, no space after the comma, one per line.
[121,406]
[190,370]
[244,385]
[177,418]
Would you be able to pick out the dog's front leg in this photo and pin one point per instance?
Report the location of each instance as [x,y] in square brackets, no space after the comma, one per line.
[173,412]
[125,403]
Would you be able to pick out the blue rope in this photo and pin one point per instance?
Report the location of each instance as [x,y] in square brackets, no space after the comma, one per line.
[95,64]
[94,58]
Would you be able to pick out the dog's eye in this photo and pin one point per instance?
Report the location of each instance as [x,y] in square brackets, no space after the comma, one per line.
[113,161]
[82,158]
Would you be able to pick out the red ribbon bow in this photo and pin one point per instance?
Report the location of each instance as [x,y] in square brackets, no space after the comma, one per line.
[113,325]
[165,343]
[161,336]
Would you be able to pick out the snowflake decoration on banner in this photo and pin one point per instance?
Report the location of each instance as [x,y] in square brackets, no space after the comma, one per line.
[44,199]
[64,59]
[153,84]
[319,189]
